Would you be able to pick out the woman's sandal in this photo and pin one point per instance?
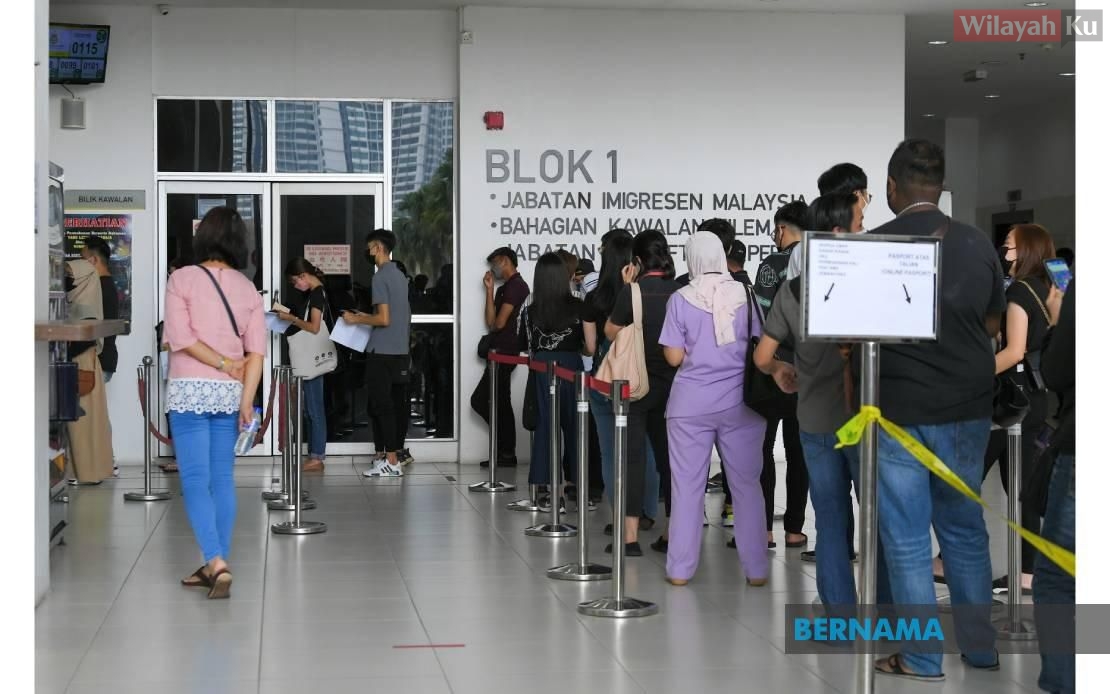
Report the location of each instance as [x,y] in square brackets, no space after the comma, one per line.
[199,579]
[800,543]
[894,662]
[221,585]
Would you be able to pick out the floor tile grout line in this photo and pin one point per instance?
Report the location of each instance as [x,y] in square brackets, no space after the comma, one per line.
[265,573]
[100,627]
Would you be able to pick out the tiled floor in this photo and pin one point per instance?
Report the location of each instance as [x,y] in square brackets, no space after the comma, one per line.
[415,562]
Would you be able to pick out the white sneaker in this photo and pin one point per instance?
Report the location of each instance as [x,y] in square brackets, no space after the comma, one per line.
[383,469]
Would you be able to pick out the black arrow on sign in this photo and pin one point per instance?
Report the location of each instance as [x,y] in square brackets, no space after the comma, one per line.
[908,300]
[829,293]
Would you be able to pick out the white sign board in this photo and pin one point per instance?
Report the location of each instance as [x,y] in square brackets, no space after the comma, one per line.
[334,259]
[866,287]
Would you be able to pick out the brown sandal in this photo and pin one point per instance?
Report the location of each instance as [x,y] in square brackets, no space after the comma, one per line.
[221,585]
[200,582]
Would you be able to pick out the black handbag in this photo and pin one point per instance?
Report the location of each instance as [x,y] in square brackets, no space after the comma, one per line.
[484,345]
[1011,403]
[530,415]
[1034,489]
[761,394]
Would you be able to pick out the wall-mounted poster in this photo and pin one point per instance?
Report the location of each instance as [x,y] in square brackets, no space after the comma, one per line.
[116,230]
[332,259]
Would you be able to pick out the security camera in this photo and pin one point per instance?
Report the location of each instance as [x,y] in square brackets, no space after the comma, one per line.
[163,10]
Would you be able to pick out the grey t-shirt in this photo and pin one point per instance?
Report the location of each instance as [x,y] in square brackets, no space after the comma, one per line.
[822,408]
[389,286]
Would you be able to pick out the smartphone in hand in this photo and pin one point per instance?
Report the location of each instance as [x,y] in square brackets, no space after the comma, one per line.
[1059,273]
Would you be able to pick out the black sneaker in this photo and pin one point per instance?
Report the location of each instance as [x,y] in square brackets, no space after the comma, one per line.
[631,549]
[609,529]
[545,504]
[660,545]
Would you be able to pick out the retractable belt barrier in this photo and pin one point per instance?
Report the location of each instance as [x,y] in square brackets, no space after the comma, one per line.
[554,528]
[492,485]
[282,499]
[297,499]
[145,387]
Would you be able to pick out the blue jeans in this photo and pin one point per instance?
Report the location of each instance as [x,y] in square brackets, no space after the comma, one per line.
[832,473]
[539,471]
[602,410]
[1051,586]
[317,423]
[205,448]
[910,500]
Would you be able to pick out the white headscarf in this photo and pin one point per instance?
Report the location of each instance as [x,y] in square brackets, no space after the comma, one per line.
[711,287]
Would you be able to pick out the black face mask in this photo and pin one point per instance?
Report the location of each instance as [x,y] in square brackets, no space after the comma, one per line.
[1007,265]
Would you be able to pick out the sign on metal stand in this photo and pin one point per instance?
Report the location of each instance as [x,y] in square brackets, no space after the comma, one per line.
[492,485]
[582,570]
[147,494]
[869,289]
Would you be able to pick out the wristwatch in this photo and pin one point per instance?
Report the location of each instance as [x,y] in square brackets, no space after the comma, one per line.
[223,362]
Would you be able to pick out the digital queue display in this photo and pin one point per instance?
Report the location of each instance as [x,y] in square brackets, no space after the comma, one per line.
[78,53]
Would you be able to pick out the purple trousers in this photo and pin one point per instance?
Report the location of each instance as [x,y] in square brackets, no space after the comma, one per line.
[738,433]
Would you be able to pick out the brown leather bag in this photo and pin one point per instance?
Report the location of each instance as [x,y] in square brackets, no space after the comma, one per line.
[86,381]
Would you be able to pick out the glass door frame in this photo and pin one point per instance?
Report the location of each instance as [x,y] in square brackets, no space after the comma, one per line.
[268,447]
[376,189]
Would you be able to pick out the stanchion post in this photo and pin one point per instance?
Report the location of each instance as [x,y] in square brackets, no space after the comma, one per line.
[279,376]
[147,494]
[492,485]
[291,448]
[298,526]
[1013,627]
[618,605]
[555,528]
[582,570]
[869,536]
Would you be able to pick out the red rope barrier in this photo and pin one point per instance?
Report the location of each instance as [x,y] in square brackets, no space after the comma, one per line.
[514,359]
[605,388]
[538,366]
[566,374]
[150,425]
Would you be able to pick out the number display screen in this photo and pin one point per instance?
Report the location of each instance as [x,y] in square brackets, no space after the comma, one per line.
[78,53]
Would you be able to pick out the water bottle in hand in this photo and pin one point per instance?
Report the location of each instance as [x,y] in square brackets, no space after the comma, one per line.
[245,442]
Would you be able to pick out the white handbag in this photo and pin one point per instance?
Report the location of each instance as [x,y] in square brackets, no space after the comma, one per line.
[313,355]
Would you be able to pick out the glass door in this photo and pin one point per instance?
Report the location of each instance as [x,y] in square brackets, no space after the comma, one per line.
[327,224]
[181,205]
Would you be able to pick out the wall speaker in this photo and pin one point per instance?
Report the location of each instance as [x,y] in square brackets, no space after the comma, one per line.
[73,113]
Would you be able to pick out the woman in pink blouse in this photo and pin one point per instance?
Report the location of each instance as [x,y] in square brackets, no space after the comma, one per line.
[215,328]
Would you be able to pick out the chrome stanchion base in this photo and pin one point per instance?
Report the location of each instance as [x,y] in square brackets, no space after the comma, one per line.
[274,496]
[579,572]
[302,528]
[1023,631]
[494,488]
[944,605]
[279,505]
[611,607]
[155,495]
[526,505]
[549,530]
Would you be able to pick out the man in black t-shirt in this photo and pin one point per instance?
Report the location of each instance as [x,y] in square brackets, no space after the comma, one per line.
[98,254]
[502,308]
[941,394]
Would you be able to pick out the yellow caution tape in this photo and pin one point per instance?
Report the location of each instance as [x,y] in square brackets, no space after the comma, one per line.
[851,433]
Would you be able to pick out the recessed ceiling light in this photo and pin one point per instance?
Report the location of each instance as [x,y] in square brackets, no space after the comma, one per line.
[1035,4]
[1067,74]
[992,96]
[938,43]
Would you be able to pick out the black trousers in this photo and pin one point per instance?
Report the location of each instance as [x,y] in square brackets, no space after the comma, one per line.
[387,379]
[998,451]
[506,420]
[797,479]
[647,419]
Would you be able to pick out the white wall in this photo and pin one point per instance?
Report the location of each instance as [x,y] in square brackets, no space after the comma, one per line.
[41,475]
[1032,150]
[224,53]
[692,101]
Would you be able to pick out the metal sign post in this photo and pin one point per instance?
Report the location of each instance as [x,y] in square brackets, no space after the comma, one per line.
[492,485]
[868,507]
[556,528]
[298,526]
[582,570]
[291,450]
[618,605]
[147,494]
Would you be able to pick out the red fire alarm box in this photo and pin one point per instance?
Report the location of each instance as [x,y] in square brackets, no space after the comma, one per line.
[495,120]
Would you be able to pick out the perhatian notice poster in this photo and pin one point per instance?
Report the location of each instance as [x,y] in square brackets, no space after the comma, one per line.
[115,229]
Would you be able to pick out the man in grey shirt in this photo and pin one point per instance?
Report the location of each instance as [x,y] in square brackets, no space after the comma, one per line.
[387,355]
[818,376]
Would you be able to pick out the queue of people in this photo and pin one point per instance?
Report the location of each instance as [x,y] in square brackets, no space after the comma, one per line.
[695,336]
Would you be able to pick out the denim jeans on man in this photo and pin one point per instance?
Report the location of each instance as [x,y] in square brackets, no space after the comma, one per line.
[205,448]
[1051,585]
[910,500]
[602,409]
[317,423]
[832,473]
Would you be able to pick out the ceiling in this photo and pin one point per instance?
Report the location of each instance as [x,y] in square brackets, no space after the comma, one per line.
[934,81]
